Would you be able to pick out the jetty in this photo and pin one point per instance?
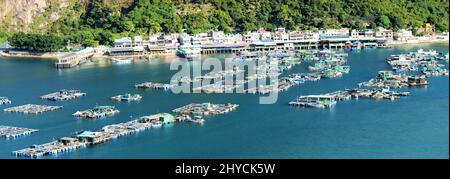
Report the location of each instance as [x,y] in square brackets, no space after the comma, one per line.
[32,109]
[75,58]
[4,100]
[10,132]
[97,112]
[63,94]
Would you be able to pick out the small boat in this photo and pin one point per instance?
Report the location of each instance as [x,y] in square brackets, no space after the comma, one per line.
[157,124]
[198,119]
[121,60]
[77,114]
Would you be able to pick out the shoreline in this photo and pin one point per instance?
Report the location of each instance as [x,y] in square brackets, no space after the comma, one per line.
[398,43]
[55,56]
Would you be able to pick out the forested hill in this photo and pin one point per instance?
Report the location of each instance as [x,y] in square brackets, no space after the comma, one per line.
[100,20]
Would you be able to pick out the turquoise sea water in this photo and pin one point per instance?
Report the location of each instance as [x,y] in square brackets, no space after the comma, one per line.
[412,127]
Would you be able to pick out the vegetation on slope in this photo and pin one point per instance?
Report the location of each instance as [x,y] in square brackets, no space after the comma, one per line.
[99,21]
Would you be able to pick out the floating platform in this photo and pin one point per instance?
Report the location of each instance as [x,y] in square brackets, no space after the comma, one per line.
[97,112]
[314,101]
[62,145]
[86,138]
[4,100]
[201,109]
[151,85]
[32,109]
[127,97]
[114,131]
[386,79]
[10,132]
[63,95]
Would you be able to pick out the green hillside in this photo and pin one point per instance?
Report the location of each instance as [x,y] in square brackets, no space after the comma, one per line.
[99,21]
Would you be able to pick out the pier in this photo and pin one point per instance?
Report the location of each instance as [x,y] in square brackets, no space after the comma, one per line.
[75,58]
[63,95]
[10,132]
[32,109]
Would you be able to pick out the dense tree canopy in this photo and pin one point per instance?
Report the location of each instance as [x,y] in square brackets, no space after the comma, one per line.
[36,42]
[100,22]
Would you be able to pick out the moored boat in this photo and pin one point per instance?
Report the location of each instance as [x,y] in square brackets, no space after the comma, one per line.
[122,60]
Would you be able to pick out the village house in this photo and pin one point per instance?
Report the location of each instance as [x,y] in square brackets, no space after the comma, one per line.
[403,35]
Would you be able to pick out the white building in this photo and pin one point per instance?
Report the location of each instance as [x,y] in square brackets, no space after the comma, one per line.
[311,35]
[123,42]
[296,35]
[263,34]
[384,33]
[403,35]
[334,32]
[249,37]
[138,41]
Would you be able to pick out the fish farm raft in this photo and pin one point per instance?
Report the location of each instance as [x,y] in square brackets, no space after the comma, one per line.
[10,132]
[97,112]
[32,109]
[63,95]
[4,100]
[114,131]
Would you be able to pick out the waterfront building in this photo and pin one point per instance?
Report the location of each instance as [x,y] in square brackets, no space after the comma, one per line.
[123,42]
[138,41]
[403,35]
[185,39]
[280,34]
[165,118]
[201,39]
[327,33]
[75,58]
[311,35]
[89,137]
[263,34]
[249,37]
[126,51]
[296,35]
[381,32]
[260,40]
